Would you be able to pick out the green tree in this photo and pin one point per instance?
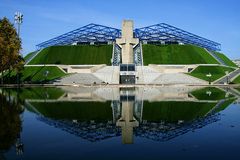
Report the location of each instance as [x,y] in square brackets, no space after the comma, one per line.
[10,46]
[10,122]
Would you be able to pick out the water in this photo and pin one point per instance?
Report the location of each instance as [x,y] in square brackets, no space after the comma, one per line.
[120,123]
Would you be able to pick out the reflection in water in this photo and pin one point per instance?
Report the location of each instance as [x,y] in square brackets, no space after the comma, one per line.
[127,120]
[10,125]
[96,114]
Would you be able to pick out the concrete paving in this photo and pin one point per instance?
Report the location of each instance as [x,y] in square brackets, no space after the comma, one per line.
[227,78]
[79,78]
[146,74]
[177,78]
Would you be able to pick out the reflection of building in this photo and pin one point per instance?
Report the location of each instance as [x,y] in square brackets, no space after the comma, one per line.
[127,121]
[131,115]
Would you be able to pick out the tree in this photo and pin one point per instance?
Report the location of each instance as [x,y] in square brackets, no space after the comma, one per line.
[10,46]
[10,123]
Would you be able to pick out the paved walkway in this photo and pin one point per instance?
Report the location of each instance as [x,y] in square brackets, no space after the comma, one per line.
[216,57]
[79,78]
[228,77]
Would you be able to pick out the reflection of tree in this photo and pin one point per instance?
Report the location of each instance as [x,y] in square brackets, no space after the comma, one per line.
[10,123]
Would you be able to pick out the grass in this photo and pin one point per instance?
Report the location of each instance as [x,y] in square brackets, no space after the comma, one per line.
[216,72]
[209,93]
[36,74]
[29,55]
[225,59]
[82,111]
[174,111]
[73,55]
[176,54]
[35,93]
[224,105]
[236,80]
[238,89]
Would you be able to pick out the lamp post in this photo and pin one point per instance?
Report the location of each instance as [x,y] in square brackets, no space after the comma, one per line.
[45,75]
[227,76]
[209,75]
[18,19]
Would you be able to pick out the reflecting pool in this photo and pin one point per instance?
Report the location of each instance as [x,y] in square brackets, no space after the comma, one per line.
[120,123]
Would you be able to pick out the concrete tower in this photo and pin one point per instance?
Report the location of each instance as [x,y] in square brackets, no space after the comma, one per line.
[126,42]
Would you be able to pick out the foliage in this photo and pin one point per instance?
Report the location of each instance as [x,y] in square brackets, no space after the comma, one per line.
[35,93]
[10,46]
[10,123]
[37,74]
[225,59]
[236,80]
[176,54]
[29,55]
[210,93]
[215,71]
[172,111]
[82,111]
[73,55]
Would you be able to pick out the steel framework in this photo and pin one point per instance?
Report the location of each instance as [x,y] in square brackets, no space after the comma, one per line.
[164,32]
[156,131]
[89,33]
[155,33]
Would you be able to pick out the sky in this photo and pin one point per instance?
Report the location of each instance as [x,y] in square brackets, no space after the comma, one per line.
[217,20]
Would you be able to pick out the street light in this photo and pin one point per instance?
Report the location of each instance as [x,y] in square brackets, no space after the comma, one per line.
[226,72]
[209,75]
[18,19]
[45,75]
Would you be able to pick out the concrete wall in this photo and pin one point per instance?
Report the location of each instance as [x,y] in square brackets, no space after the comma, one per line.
[81,68]
[173,68]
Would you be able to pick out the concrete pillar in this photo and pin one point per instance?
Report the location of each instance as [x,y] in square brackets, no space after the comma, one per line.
[126,42]
[127,122]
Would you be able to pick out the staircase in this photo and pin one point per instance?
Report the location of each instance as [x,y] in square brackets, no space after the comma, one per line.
[138,58]
[33,56]
[146,74]
[216,57]
[108,74]
[116,55]
[177,78]
[79,78]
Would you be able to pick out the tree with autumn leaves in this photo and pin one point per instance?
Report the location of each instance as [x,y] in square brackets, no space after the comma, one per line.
[10,46]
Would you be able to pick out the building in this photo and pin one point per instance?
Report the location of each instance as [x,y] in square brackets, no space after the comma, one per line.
[128,65]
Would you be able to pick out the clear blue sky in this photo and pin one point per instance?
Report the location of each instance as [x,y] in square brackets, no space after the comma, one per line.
[217,20]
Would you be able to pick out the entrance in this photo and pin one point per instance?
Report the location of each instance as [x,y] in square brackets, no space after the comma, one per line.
[127,79]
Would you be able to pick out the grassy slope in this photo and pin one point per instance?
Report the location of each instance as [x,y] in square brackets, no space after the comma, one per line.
[225,105]
[174,111]
[83,111]
[28,55]
[36,93]
[238,89]
[225,59]
[79,54]
[216,94]
[36,74]
[176,54]
[216,72]
[237,80]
